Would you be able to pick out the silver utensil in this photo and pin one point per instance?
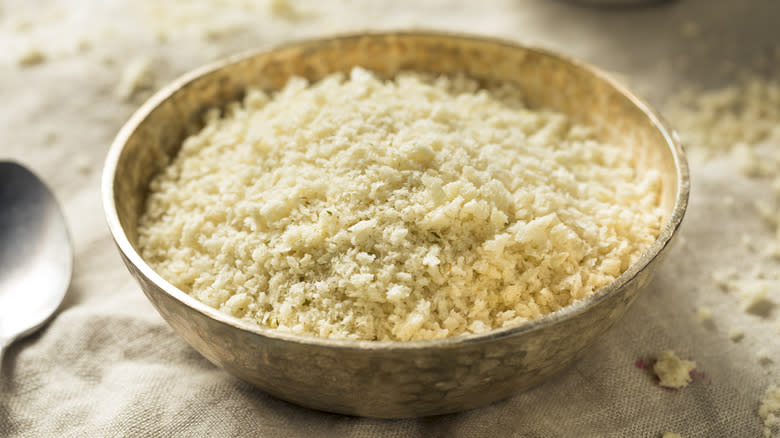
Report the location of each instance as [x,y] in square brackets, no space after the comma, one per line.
[36,256]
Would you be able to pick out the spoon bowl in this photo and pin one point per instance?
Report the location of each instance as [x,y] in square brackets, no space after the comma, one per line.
[36,256]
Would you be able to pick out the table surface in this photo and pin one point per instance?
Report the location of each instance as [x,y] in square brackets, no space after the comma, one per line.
[108,365]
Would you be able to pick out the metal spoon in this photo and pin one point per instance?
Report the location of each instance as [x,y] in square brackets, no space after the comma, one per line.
[36,256]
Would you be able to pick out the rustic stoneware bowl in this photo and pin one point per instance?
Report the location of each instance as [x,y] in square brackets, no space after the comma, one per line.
[392,379]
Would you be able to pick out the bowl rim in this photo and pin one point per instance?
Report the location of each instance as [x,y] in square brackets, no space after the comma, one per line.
[664,238]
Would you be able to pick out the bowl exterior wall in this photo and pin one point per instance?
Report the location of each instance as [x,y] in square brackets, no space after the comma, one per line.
[394,383]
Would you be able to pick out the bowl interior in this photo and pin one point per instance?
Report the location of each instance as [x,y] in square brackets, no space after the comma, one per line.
[154,134]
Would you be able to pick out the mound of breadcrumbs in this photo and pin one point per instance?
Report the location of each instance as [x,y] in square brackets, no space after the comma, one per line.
[415,208]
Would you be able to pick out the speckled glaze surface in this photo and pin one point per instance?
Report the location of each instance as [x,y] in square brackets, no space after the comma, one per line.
[392,379]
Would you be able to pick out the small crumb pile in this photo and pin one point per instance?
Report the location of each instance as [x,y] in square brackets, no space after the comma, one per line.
[416,208]
[769,410]
[218,21]
[672,371]
[733,119]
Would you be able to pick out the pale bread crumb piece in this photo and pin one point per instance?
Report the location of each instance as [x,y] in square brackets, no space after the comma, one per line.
[763,357]
[755,298]
[749,163]
[747,242]
[136,77]
[767,212]
[216,33]
[83,164]
[22,25]
[772,250]
[671,435]
[50,138]
[776,185]
[33,56]
[724,278]
[704,314]
[672,371]
[161,36]
[736,333]
[83,44]
[285,9]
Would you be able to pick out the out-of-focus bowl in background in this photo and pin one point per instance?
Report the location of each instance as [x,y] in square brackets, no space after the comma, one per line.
[619,2]
[392,379]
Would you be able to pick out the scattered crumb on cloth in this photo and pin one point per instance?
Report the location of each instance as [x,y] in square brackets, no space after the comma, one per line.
[736,333]
[22,25]
[763,356]
[739,116]
[741,122]
[724,278]
[83,44]
[769,410]
[83,164]
[704,315]
[224,19]
[215,33]
[755,298]
[30,57]
[672,371]
[137,76]
[285,9]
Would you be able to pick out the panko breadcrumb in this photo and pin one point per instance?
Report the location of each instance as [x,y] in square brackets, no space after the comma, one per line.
[672,371]
[769,410]
[420,207]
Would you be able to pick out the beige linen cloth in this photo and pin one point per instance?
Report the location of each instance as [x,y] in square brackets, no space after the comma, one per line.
[108,365]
